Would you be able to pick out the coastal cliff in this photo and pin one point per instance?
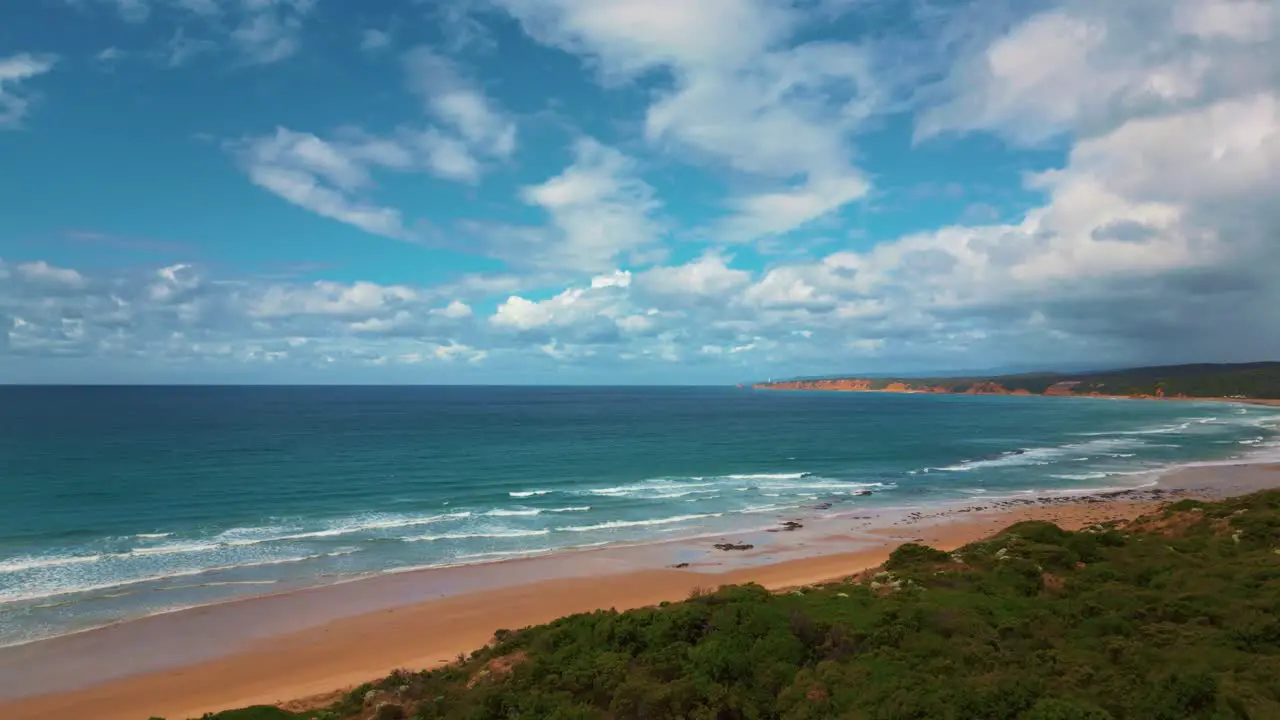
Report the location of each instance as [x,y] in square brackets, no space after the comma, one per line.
[1252,381]
[933,387]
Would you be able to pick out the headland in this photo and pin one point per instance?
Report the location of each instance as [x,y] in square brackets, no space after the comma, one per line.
[1252,383]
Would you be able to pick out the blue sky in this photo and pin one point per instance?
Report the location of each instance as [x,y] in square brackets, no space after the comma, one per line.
[585,191]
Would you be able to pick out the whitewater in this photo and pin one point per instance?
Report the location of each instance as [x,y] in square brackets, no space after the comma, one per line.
[125,502]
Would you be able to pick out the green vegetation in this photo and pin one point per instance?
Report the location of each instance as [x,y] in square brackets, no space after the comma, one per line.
[1254,380]
[1250,380]
[1174,616]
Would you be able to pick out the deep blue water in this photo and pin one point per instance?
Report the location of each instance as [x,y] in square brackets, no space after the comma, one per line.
[119,502]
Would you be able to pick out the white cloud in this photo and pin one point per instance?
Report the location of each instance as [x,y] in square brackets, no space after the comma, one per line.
[1087,66]
[333,177]
[458,102]
[180,314]
[636,324]
[373,40]
[599,209]
[43,272]
[261,31]
[455,310]
[521,314]
[330,298]
[618,278]
[1247,20]
[741,97]
[108,55]
[1155,237]
[327,177]
[788,288]
[455,351]
[775,213]
[273,31]
[592,310]
[15,70]
[134,11]
[708,276]
[628,37]
[181,48]
[448,157]
[206,8]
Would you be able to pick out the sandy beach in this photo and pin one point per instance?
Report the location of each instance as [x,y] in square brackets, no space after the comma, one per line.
[302,647]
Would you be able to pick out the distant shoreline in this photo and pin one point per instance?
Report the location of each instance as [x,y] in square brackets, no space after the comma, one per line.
[1251,383]
[833,386]
[279,655]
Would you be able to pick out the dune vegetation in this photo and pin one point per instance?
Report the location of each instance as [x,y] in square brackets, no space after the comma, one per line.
[1244,380]
[1173,616]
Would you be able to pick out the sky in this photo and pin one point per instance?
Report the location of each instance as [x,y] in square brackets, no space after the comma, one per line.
[633,191]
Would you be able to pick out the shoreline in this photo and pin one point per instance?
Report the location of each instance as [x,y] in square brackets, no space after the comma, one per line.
[626,551]
[293,586]
[783,387]
[297,644]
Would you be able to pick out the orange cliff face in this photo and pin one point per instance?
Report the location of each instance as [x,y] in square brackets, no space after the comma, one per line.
[898,386]
[858,385]
[1062,388]
[854,385]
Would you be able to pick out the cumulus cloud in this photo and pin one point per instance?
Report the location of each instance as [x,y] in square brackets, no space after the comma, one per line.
[707,277]
[1087,66]
[600,211]
[43,272]
[1153,238]
[15,71]
[1156,238]
[179,313]
[455,310]
[1153,229]
[742,97]
[584,311]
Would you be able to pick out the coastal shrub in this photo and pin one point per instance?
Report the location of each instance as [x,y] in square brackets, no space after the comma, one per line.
[1062,709]
[1050,557]
[1167,619]
[257,712]
[1037,531]
[1182,506]
[914,555]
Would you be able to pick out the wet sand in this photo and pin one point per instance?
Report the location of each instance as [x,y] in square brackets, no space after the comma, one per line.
[281,648]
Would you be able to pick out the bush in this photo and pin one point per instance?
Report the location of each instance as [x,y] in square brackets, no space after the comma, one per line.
[1061,709]
[256,712]
[1180,696]
[914,555]
[1038,531]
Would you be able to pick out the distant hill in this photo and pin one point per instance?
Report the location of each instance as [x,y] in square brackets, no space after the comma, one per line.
[1259,380]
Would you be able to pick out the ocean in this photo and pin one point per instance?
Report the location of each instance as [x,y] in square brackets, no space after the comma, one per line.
[124,502]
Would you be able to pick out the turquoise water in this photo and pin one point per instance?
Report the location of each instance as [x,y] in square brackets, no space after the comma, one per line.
[120,502]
